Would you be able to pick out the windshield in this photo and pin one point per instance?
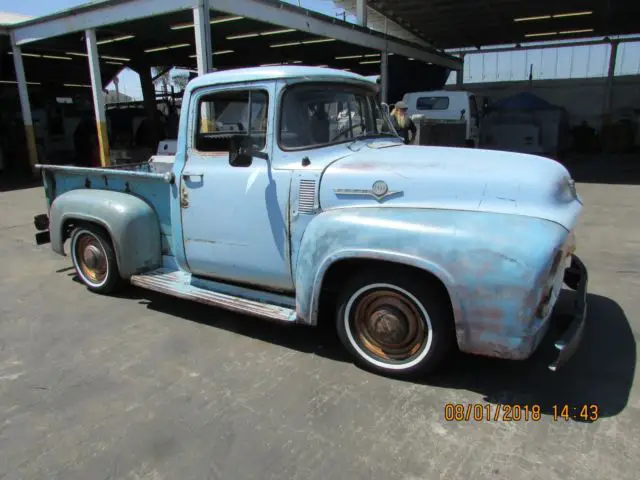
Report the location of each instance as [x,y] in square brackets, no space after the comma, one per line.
[319,115]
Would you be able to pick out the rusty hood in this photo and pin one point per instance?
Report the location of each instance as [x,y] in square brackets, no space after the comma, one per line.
[451,178]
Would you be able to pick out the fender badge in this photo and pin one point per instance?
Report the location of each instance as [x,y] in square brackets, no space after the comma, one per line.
[379,190]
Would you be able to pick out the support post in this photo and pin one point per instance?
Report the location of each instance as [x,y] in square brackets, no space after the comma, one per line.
[608,94]
[24,105]
[361,12]
[384,77]
[202,30]
[98,98]
[460,73]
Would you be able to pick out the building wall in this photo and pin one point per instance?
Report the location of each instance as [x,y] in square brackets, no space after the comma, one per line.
[582,98]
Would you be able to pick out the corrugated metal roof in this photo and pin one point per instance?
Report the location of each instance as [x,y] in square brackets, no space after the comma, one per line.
[377,21]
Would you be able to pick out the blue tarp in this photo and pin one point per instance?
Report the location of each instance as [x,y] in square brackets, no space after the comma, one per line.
[523,101]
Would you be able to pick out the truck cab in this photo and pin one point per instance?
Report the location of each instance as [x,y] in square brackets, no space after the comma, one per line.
[444,106]
[291,198]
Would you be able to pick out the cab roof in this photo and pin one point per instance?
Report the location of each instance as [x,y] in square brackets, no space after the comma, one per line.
[254,74]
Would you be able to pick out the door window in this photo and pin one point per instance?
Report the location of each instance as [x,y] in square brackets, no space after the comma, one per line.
[223,117]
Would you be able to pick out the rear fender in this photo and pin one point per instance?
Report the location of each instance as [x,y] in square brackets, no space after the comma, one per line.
[131,223]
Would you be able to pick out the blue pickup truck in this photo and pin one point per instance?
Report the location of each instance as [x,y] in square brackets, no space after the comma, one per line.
[292,198]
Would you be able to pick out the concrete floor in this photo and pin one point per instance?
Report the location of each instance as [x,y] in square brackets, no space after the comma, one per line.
[143,386]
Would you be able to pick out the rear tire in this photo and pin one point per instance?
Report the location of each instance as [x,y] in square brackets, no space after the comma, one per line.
[95,260]
[395,324]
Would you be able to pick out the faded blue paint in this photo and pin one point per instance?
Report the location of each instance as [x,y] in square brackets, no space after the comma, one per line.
[492,264]
[486,223]
[152,188]
[131,223]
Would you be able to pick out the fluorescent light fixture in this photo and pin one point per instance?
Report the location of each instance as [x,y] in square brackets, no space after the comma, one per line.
[411,59]
[115,39]
[119,59]
[270,64]
[225,19]
[346,69]
[543,34]
[223,52]
[372,55]
[243,35]
[277,32]
[322,66]
[370,61]
[347,57]
[115,63]
[557,15]
[572,14]
[531,19]
[297,61]
[13,82]
[320,40]
[76,54]
[38,55]
[167,47]
[181,26]
[569,32]
[289,44]
[76,85]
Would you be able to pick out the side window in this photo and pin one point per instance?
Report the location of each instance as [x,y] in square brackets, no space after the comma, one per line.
[225,116]
[432,103]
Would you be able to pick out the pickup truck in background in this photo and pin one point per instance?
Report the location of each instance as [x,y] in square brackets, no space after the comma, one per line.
[450,117]
[290,210]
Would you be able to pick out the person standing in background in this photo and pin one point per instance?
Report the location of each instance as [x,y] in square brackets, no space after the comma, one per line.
[403,123]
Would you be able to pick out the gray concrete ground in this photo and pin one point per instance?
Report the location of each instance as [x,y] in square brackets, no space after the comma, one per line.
[143,386]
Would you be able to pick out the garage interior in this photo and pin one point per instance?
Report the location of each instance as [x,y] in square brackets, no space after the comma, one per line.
[412,46]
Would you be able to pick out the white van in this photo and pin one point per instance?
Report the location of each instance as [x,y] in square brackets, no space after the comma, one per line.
[442,106]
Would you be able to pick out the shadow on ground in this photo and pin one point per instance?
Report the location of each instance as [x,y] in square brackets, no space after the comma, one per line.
[10,182]
[606,169]
[600,373]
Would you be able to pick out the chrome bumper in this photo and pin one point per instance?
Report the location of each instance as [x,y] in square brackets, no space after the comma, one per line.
[575,277]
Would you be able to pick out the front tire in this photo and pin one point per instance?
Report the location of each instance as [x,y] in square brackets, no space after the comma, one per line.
[395,324]
[95,260]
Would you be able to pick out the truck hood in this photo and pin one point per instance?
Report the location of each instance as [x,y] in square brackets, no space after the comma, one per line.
[452,178]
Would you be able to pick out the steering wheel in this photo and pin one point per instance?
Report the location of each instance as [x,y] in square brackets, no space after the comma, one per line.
[350,129]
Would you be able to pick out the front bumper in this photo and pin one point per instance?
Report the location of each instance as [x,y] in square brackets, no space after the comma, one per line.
[575,277]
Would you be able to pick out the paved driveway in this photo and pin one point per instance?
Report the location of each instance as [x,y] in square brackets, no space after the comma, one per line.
[143,386]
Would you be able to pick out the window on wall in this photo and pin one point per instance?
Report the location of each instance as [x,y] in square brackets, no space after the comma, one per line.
[432,103]
[226,116]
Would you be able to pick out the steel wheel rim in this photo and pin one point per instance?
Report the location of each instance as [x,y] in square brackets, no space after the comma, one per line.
[388,326]
[91,259]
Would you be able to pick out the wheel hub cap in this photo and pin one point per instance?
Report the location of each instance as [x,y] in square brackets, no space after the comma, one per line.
[92,258]
[389,325]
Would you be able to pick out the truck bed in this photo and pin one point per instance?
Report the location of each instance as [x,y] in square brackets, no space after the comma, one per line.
[142,180]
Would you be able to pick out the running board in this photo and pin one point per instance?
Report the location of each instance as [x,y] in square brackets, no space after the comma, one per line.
[177,284]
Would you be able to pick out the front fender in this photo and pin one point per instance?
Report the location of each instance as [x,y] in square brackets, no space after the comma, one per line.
[491,264]
[131,222]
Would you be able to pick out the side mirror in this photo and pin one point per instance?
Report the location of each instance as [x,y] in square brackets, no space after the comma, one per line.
[241,154]
[385,108]
[462,112]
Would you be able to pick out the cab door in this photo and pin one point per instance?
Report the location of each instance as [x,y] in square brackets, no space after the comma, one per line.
[234,220]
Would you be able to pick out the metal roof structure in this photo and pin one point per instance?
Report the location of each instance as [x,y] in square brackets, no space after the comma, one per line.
[160,33]
[456,24]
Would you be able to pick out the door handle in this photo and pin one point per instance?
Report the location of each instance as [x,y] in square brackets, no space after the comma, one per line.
[192,174]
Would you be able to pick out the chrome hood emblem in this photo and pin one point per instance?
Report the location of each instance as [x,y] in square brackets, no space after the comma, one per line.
[379,190]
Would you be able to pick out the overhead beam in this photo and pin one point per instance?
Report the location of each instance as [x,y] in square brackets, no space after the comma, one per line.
[286,15]
[94,16]
[25,106]
[98,97]
[577,43]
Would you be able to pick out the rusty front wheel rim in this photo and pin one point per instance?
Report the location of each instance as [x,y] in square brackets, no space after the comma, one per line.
[388,326]
[91,259]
